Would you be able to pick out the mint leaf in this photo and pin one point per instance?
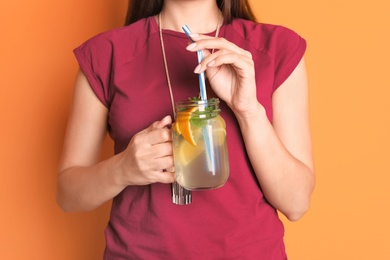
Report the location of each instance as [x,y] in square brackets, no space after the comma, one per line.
[198,122]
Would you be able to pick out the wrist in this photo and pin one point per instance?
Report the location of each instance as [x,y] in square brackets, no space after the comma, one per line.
[120,173]
[251,114]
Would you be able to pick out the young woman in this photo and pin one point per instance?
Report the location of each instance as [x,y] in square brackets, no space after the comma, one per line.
[123,87]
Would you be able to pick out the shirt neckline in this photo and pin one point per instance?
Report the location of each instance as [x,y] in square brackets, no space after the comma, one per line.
[152,20]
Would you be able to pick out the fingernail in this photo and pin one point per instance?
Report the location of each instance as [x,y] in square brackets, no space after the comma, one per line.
[191,46]
[194,35]
[197,69]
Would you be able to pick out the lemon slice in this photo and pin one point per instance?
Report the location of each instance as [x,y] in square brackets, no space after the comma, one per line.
[187,152]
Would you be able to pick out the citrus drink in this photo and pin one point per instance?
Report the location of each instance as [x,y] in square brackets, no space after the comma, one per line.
[200,148]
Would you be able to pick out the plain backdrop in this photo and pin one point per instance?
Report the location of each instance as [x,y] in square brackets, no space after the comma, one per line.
[347,60]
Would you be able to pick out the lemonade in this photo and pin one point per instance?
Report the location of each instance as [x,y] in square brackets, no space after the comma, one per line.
[200,149]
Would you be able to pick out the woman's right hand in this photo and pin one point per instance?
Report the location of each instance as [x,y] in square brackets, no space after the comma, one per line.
[84,182]
[148,157]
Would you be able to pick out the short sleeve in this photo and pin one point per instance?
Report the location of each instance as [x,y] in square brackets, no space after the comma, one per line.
[289,50]
[95,60]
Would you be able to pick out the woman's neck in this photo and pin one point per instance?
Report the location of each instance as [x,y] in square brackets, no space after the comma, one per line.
[201,16]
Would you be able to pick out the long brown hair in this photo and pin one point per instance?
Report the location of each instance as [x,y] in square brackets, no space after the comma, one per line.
[139,9]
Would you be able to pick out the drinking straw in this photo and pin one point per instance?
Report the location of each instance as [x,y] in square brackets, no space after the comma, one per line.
[202,81]
[203,97]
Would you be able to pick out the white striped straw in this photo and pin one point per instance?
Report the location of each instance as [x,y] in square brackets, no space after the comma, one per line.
[206,130]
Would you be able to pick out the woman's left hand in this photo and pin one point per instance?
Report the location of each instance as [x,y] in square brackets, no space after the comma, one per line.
[281,152]
[230,71]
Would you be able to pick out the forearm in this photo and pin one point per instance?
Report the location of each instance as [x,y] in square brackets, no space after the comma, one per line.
[287,183]
[81,188]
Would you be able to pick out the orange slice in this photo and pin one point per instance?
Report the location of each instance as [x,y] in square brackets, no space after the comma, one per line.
[182,125]
[175,127]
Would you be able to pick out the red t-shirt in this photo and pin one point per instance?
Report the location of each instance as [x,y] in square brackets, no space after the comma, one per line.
[125,68]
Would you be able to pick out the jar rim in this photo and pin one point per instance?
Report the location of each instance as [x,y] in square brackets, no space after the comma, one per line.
[212,101]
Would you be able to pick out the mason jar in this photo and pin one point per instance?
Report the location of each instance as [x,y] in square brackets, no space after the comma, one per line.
[200,148]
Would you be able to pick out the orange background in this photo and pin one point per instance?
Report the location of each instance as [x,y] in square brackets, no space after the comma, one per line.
[347,59]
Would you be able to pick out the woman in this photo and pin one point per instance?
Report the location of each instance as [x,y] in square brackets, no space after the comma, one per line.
[123,87]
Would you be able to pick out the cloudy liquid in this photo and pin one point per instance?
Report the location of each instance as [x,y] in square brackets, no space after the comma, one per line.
[194,167]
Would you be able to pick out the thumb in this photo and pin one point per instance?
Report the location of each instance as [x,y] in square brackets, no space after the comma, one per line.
[167,120]
[159,124]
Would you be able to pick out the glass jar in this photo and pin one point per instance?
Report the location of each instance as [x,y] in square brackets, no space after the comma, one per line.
[200,148]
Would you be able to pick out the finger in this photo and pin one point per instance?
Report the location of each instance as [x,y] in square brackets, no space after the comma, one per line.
[170,169]
[196,37]
[210,59]
[164,164]
[161,175]
[164,177]
[162,123]
[167,120]
[233,59]
[158,136]
[213,63]
[203,43]
[162,150]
